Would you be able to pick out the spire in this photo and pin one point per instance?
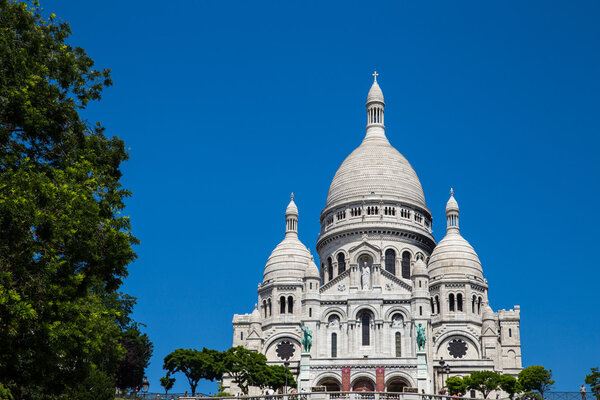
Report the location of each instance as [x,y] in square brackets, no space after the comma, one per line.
[452,212]
[375,107]
[291,217]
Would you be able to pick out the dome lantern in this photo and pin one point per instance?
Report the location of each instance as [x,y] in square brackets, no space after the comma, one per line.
[452,212]
[291,217]
[375,108]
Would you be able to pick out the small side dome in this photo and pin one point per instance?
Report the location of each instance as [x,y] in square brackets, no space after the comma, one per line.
[420,268]
[454,256]
[312,271]
[289,260]
[488,313]
[255,316]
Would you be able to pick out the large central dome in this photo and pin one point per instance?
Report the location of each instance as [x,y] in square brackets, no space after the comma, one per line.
[376,168]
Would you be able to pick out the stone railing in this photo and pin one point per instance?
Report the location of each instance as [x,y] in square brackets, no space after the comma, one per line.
[338,396]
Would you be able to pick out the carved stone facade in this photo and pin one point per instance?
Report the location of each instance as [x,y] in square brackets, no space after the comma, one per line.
[381,274]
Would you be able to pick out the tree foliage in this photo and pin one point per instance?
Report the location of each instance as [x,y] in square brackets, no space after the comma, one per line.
[167,382]
[195,365]
[456,385]
[593,379]
[64,246]
[537,378]
[510,385]
[138,350]
[483,381]
[246,367]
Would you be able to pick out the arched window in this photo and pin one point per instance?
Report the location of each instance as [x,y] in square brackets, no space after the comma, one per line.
[310,312]
[479,306]
[330,268]
[390,261]
[398,344]
[437,303]
[451,302]
[473,305]
[282,305]
[290,305]
[269,305]
[265,307]
[334,345]
[509,332]
[459,302]
[365,321]
[406,265]
[432,305]
[420,310]
[341,263]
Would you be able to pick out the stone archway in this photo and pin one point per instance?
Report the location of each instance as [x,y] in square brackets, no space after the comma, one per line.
[331,384]
[396,384]
[363,384]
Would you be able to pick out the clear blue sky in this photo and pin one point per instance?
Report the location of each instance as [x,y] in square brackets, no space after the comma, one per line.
[227,107]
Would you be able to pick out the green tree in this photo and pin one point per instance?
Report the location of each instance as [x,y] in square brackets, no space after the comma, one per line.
[195,365]
[537,378]
[510,385]
[138,350]
[275,377]
[64,246]
[246,367]
[167,382]
[455,385]
[593,379]
[483,381]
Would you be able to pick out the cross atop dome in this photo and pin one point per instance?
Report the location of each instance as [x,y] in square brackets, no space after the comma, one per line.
[292,196]
[375,75]
[451,192]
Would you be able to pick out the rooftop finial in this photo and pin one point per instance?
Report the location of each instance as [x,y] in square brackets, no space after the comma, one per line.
[292,196]
[375,75]
[451,192]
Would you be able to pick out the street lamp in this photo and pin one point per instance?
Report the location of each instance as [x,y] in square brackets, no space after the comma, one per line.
[145,386]
[286,364]
[444,369]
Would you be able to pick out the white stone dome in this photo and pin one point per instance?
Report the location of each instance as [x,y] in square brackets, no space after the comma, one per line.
[454,256]
[290,259]
[376,168]
[312,271]
[255,316]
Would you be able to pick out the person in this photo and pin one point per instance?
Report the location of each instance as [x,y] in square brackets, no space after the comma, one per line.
[582,391]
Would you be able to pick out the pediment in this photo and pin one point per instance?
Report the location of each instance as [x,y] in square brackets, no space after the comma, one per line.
[253,335]
[391,283]
[489,331]
[364,245]
[339,285]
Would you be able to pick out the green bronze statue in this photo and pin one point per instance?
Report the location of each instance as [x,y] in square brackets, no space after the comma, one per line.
[421,339]
[306,338]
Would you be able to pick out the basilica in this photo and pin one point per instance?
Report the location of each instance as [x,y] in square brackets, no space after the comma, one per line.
[381,277]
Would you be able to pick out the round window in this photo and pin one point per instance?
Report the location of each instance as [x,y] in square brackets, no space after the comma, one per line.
[457,348]
[285,350]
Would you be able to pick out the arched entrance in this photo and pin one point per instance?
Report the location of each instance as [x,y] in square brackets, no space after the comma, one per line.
[331,384]
[396,385]
[363,385]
